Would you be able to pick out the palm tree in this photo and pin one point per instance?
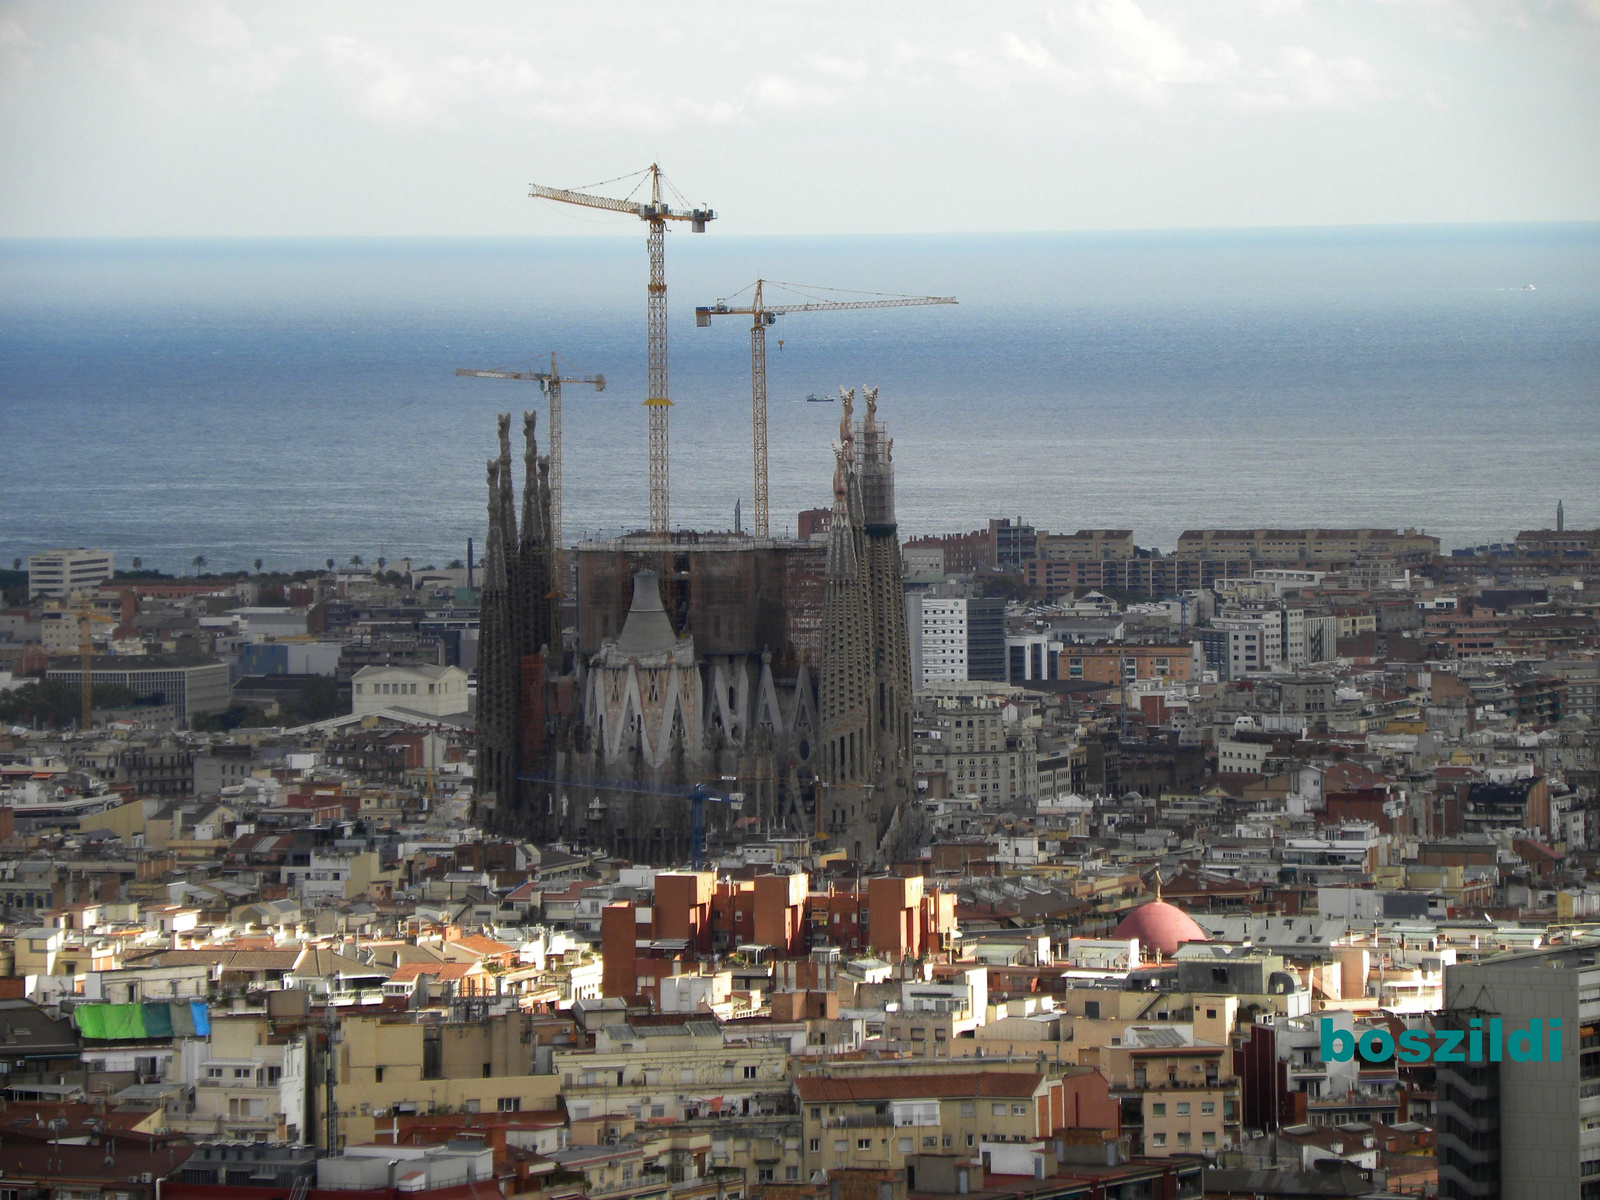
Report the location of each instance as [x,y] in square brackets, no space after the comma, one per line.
[381,562]
[16,564]
[355,560]
[137,563]
[199,563]
[258,566]
[330,564]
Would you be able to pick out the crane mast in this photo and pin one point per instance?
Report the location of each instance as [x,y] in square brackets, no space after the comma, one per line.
[551,382]
[762,315]
[658,401]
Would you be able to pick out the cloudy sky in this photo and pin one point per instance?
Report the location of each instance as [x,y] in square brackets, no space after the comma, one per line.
[203,117]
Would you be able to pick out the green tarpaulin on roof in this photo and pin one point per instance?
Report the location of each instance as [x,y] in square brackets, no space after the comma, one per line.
[91,1020]
[131,1022]
[157,1022]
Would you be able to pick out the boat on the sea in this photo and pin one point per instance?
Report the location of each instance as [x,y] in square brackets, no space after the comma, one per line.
[813,398]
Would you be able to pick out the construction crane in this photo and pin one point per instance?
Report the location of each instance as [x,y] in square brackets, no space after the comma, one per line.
[550,382]
[656,214]
[698,795]
[763,314]
[86,615]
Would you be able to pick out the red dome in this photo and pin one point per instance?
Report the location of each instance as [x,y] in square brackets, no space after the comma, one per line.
[1159,926]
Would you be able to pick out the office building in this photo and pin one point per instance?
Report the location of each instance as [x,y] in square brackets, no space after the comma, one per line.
[62,572]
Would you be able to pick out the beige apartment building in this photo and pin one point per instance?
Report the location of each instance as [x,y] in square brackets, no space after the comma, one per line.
[392,1065]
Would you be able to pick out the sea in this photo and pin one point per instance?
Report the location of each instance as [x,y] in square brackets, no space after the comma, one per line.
[295,400]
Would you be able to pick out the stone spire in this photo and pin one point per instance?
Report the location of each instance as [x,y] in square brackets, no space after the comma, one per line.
[864,705]
[497,655]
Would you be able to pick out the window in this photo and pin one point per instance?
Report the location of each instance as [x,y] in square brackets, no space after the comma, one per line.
[816,1114]
[840,1146]
[969,1109]
[997,1110]
[969,1141]
[1183,1108]
[377,1074]
[510,1103]
[815,1145]
[1211,1014]
[764,1175]
[1185,1139]
[863,1143]
[1208,1108]
[1158,1139]
[1158,1110]
[791,1174]
[1091,1008]
[905,1146]
[1208,1138]
[749,1072]
[945,1141]
[931,1143]
[1019,1110]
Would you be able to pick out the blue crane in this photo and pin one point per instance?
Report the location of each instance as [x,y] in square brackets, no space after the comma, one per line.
[696,793]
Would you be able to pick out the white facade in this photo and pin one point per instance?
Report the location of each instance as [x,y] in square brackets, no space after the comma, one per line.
[939,629]
[432,691]
[62,572]
[1255,642]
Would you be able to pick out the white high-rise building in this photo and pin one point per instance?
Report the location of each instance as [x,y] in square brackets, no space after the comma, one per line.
[954,639]
[62,572]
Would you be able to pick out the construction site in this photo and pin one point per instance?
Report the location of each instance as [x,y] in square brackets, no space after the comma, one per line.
[696,690]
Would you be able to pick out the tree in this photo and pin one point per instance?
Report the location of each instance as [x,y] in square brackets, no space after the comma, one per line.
[16,564]
[317,700]
[55,704]
[238,716]
[330,564]
[382,561]
[258,566]
[199,563]
[138,562]
[455,564]
[355,560]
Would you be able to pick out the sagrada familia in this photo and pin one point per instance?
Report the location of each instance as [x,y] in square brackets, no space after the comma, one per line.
[776,670]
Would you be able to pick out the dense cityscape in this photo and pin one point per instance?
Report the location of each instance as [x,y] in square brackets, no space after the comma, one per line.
[781,814]
[1000,863]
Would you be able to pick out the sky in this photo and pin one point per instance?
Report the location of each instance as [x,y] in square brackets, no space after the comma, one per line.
[401,118]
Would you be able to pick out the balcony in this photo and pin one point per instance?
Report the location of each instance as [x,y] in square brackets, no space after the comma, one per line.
[865,1121]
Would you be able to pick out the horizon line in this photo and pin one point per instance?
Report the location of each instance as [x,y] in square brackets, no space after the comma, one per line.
[624,230]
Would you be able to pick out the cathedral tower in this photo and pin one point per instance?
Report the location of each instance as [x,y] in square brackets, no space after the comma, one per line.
[864,706]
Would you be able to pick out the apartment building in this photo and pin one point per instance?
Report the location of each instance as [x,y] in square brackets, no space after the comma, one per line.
[880,1119]
[679,1071]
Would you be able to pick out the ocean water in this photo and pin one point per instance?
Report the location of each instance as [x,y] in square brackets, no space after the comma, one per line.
[294,400]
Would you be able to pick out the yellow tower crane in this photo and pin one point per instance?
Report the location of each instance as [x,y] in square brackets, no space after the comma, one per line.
[655,213]
[763,314]
[86,616]
[550,381]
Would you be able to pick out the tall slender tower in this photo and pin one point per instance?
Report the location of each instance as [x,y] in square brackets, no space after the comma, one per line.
[1561,516]
[864,704]
[518,620]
